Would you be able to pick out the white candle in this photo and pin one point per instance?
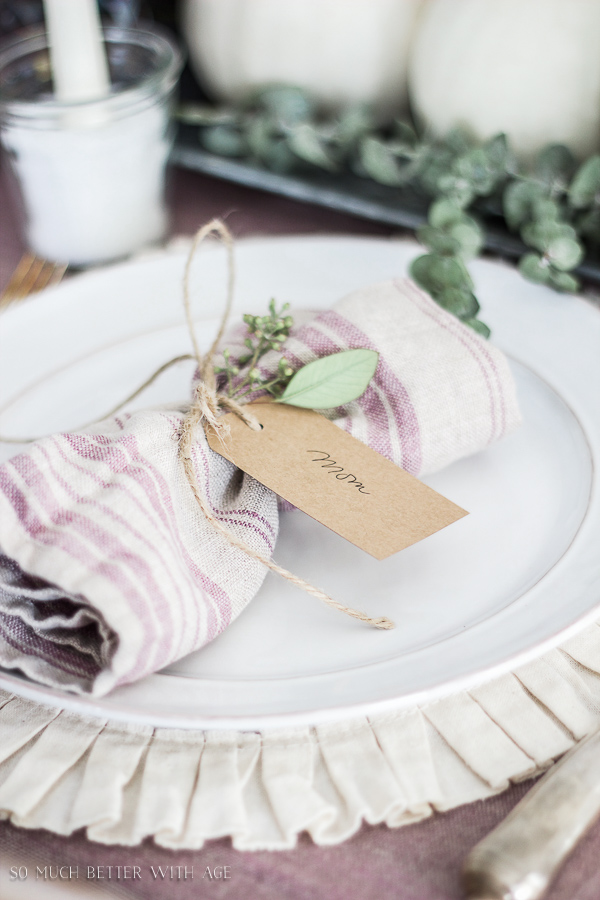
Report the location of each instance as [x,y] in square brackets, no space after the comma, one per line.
[77,54]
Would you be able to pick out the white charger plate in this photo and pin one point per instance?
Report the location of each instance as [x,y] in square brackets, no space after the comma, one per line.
[498,588]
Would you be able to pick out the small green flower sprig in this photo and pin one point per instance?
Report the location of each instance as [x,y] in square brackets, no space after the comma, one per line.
[324,383]
[265,333]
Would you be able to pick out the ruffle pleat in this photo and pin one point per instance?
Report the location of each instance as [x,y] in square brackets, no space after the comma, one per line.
[125,783]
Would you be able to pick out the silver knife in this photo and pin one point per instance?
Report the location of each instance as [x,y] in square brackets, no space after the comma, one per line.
[518,859]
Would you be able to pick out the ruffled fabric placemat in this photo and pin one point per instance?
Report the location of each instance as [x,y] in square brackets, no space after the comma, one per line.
[124,783]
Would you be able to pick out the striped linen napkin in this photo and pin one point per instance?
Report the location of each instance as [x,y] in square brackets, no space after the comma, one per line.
[109,570]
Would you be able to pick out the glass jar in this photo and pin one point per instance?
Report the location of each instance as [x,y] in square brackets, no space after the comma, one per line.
[90,175]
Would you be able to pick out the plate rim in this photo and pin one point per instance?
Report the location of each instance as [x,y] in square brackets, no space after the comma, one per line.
[89,705]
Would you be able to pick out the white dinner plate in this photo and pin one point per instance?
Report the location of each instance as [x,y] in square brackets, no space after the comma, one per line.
[517,576]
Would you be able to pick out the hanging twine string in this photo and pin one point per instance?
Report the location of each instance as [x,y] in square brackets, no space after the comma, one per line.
[205,411]
[114,410]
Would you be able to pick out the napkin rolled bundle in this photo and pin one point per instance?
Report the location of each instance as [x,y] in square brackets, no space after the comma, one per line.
[109,570]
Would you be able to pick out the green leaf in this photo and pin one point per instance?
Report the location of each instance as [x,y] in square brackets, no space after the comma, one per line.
[545,209]
[474,166]
[562,281]
[565,253]
[542,234]
[468,236]
[461,237]
[224,140]
[519,199]
[268,146]
[379,162]
[279,157]
[460,302]
[259,133]
[498,155]
[555,164]
[585,186]
[439,240]
[352,124]
[534,268]
[306,144]
[331,381]
[444,212]
[458,141]
[458,187]
[289,105]
[478,326]
[437,273]
[405,133]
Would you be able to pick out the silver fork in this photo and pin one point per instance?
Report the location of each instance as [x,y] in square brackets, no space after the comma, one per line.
[32,274]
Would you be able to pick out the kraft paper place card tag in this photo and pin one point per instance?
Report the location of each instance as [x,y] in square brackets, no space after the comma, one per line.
[335,478]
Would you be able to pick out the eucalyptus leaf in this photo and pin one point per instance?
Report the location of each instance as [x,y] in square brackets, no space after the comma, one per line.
[278,156]
[332,380]
[498,155]
[352,124]
[474,167]
[458,141]
[554,165]
[565,253]
[224,140]
[435,164]
[436,273]
[519,200]
[585,187]
[444,212]
[468,236]
[288,104]
[459,301]
[562,281]
[379,162]
[405,133]
[439,240]
[543,234]
[546,209]
[457,187]
[268,145]
[305,142]
[459,238]
[259,134]
[534,268]
[478,326]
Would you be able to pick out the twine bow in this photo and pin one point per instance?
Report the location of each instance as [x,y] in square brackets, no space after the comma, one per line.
[205,409]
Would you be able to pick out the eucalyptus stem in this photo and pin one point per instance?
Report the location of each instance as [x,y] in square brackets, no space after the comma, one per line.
[554,206]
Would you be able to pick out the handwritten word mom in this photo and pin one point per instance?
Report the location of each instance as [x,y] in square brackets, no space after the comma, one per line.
[329,463]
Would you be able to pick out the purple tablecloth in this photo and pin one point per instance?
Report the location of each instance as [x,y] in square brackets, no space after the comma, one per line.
[417,862]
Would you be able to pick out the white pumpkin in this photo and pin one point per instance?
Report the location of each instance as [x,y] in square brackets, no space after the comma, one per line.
[343,51]
[530,68]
